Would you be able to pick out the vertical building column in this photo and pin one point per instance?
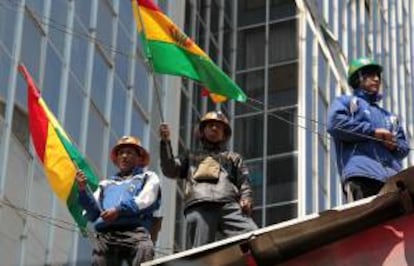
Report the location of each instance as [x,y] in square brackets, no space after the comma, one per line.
[361,30]
[302,106]
[393,85]
[206,44]
[233,58]
[88,75]
[344,32]
[63,100]
[314,128]
[410,76]
[265,113]
[8,120]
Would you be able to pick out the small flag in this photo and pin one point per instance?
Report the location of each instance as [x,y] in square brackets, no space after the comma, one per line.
[216,98]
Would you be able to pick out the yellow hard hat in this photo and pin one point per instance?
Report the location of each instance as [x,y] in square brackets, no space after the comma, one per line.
[219,117]
[132,142]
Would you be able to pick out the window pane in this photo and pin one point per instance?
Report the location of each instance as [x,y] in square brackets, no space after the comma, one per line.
[20,126]
[83,10]
[281,180]
[30,52]
[137,123]
[282,8]
[74,109]
[122,59]
[253,85]
[57,23]
[104,26]
[252,12]
[79,51]
[281,131]
[279,214]
[256,181]
[99,82]
[141,85]
[36,6]
[7,22]
[51,85]
[283,85]
[118,108]
[248,137]
[251,48]
[5,64]
[125,13]
[283,42]
[94,146]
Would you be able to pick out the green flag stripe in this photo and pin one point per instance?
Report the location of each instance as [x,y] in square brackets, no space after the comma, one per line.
[177,61]
[72,201]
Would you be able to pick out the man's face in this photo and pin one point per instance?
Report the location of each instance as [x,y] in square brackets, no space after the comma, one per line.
[214,131]
[371,81]
[127,158]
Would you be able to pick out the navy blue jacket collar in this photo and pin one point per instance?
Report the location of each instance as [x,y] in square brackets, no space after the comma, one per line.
[369,97]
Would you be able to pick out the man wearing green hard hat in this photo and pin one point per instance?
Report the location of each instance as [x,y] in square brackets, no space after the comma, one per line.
[369,140]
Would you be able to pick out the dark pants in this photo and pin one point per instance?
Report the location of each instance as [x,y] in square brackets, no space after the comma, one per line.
[357,187]
[113,248]
[205,220]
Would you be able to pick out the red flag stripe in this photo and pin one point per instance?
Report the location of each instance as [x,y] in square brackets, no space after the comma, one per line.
[148,4]
[38,123]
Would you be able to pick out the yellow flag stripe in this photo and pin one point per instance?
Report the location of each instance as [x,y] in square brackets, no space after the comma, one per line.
[60,170]
[158,27]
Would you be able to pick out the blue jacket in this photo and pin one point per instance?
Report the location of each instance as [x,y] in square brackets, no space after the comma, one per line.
[352,121]
[136,198]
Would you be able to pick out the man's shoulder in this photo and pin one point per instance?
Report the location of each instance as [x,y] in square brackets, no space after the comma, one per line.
[345,97]
[232,155]
[148,174]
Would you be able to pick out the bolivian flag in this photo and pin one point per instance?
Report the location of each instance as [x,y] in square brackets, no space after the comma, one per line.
[172,52]
[59,156]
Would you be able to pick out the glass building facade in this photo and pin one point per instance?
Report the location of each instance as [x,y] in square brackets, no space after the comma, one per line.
[290,57]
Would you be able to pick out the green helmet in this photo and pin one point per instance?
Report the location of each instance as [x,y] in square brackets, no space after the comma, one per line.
[359,64]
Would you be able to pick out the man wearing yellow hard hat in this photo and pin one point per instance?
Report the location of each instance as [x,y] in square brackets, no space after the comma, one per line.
[218,194]
[122,207]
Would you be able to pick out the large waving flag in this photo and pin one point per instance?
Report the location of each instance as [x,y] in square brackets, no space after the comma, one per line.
[172,52]
[60,158]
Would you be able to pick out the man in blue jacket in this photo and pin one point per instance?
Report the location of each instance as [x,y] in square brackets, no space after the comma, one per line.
[370,143]
[122,207]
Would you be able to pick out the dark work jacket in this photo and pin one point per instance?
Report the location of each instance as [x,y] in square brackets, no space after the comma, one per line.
[232,185]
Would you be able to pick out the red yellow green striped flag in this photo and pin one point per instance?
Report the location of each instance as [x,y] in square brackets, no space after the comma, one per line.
[172,52]
[60,158]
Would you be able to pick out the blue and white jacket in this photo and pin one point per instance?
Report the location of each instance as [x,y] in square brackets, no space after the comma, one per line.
[136,198]
[352,121]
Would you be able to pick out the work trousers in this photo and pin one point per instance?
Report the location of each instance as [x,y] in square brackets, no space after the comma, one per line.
[357,187]
[206,219]
[113,248]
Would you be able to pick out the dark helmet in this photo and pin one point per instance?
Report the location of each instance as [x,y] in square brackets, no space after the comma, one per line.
[216,116]
[360,64]
[132,142]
